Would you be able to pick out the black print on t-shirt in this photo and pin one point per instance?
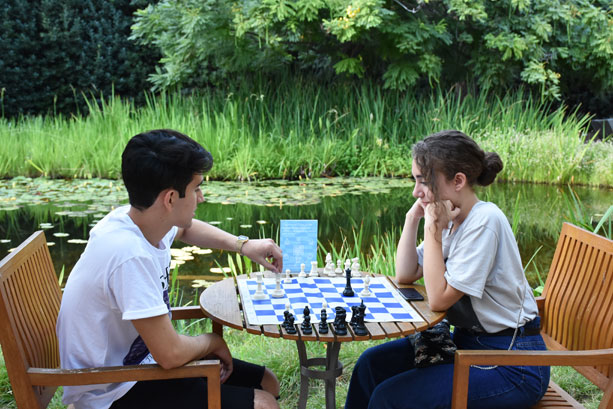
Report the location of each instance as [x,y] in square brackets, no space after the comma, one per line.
[138,350]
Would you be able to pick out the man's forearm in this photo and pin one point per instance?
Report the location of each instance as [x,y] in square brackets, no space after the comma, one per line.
[202,234]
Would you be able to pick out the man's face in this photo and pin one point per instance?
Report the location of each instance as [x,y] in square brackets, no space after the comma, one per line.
[185,208]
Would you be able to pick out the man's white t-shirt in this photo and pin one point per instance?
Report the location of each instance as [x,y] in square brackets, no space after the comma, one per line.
[483,261]
[120,277]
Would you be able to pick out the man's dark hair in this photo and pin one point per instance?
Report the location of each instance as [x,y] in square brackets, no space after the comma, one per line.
[160,159]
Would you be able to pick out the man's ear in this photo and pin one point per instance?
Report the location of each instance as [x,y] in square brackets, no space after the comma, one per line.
[459,180]
[167,197]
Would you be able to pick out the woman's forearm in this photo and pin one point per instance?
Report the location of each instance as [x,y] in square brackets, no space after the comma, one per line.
[407,267]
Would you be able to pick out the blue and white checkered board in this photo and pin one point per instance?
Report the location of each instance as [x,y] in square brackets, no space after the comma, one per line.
[385,305]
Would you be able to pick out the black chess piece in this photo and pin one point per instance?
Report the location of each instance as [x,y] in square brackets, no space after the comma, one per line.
[360,329]
[354,315]
[285,319]
[362,309]
[323,324]
[306,311]
[306,325]
[348,291]
[290,328]
[339,321]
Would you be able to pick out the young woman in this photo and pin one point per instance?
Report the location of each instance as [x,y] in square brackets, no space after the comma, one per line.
[472,269]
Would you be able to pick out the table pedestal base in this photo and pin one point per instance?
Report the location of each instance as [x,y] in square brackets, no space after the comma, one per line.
[333,369]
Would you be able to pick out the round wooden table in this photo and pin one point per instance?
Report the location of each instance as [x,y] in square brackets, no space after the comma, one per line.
[221,303]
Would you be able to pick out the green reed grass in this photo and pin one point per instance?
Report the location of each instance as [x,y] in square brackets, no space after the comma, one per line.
[293,128]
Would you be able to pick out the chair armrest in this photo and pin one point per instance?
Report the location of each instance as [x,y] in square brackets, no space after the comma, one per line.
[90,376]
[187,313]
[465,358]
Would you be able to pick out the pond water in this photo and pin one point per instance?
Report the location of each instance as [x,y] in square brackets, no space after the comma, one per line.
[365,211]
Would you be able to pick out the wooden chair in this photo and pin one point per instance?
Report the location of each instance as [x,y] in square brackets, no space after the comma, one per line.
[576,311]
[29,304]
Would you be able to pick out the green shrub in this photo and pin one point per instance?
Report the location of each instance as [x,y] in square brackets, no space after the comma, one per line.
[53,51]
[552,46]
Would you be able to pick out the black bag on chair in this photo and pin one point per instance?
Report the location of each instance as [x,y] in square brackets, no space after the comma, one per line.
[434,346]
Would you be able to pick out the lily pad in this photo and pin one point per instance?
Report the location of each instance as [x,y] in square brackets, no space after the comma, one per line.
[202,251]
[77,241]
[199,283]
[217,270]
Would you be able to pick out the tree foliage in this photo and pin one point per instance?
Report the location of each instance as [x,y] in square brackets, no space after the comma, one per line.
[53,51]
[549,45]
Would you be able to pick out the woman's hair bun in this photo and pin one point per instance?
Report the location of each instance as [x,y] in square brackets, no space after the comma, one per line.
[492,165]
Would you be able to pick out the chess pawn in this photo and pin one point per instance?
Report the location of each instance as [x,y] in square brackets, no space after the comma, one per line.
[339,268]
[313,272]
[347,264]
[306,322]
[288,277]
[330,269]
[355,267]
[302,273]
[290,324]
[323,324]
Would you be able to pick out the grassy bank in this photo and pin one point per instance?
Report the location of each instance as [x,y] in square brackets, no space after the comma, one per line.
[296,130]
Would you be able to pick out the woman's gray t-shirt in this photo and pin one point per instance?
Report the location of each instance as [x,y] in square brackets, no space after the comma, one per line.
[482,260]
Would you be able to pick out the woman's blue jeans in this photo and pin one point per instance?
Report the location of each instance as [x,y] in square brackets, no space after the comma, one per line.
[385,377]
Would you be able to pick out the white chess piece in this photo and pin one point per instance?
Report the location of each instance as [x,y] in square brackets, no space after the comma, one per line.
[313,272]
[339,268]
[324,305]
[288,278]
[302,273]
[330,269]
[278,291]
[347,265]
[355,268]
[328,258]
[366,291]
[259,292]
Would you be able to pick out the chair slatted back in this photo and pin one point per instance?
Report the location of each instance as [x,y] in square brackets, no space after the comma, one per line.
[29,304]
[578,311]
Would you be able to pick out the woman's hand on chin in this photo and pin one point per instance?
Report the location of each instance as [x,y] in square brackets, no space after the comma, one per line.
[438,215]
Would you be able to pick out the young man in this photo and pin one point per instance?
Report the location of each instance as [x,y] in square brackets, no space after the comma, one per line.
[115,308]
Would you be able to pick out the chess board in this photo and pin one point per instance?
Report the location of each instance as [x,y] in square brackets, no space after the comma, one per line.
[384,305]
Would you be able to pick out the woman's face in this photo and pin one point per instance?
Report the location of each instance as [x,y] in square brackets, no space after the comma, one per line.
[422,189]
